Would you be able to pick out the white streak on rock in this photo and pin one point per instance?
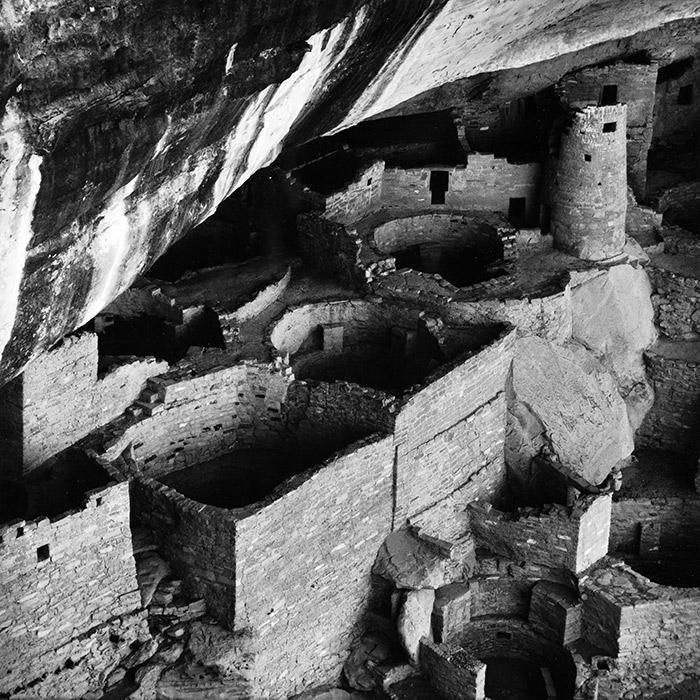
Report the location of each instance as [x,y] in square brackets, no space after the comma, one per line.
[229,58]
[20,180]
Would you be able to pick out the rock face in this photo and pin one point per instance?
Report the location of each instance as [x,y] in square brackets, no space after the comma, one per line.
[415,621]
[126,123]
[613,317]
[561,398]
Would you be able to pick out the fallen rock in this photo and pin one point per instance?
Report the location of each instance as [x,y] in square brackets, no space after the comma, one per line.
[197,683]
[147,678]
[612,315]
[329,694]
[142,654]
[373,650]
[151,569]
[169,653]
[561,398]
[410,563]
[415,621]
[228,652]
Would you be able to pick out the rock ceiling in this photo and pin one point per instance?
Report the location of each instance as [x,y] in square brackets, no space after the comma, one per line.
[126,123]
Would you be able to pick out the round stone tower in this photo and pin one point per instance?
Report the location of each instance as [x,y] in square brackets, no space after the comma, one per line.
[589,191]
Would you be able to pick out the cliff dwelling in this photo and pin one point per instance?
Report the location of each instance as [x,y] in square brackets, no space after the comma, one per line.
[350,350]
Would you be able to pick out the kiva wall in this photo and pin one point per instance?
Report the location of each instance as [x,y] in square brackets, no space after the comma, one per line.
[359,197]
[60,579]
[59,398]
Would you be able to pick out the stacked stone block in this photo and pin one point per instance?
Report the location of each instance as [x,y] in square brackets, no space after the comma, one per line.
[589,192]
[61,579]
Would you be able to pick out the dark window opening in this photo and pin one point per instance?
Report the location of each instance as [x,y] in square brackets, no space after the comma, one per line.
[98,502]
[439,180]
[685,95]
[609,95]
[42,553]
[517,209]
[20,531]
[609,127]
[503,635]
[587,157]
[369,180]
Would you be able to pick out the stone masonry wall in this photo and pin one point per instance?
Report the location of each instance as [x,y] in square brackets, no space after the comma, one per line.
[456,424]
[678,520]
[359,197]
[61,579]
[199,418]
[676,301]
[675,123]
[307,556]
[485,183]
[636,87]
[198,541]
[62,398]
[589,192]
[453,672]
[672,423]
[571,538]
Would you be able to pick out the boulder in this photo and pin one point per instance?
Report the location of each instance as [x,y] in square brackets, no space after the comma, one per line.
[192,682]
[562,399]
[410,563]
[373,649]
[415,621]
[612,315]
[151,569]
[147,678]
[227,652]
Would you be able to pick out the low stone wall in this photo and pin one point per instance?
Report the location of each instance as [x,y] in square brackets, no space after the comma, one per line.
[571,538]
[635,620]
[672,423]
[453,672]
[198,418]
[59,580]
[59,399]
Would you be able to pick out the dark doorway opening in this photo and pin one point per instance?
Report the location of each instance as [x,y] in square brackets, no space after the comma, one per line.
[609,95]
[517,210]
[439,180]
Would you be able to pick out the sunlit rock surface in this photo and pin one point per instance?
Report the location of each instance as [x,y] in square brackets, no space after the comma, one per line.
[126,123]
[561,399]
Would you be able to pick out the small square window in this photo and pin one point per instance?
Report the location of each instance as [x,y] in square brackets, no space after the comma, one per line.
[20,531]
[609,95]
[42,553]
[685,95]
[504,635]
[98,501]
[609,127]
[587,157]
[369,180]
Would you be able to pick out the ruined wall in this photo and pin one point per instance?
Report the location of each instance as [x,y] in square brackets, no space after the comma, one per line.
[63,399]
[676,291]
[637,620]
[675,520]
[626,83]
[672,422]
[589,192]
[486,183]
[676,113]
[199,418]
[456,425]
[197,539]
[357,198]
[454,673]
[61,579]
[571,538]
[318,570]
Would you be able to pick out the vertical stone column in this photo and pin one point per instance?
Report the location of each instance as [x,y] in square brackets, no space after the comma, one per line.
[589,192]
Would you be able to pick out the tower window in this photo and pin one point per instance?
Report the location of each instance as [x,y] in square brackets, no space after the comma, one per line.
[439,180]
[609,127]
[587,157]
[685,95]
[42,553]
[609,95]
[517,208]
